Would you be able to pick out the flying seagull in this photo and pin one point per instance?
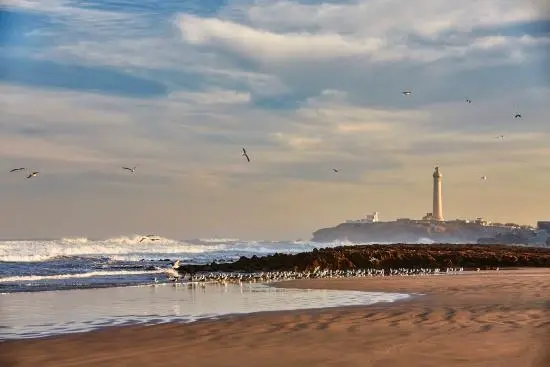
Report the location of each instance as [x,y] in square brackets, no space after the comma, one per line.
[150,237]
[35,173]
[407,92]
[245,155]
[133,169]
[499,137]
[18,169]
[517,115]
[484,178]
[335,170]
[468,100]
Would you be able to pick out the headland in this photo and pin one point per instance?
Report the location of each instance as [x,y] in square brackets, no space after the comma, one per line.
[414,231]
[433,227]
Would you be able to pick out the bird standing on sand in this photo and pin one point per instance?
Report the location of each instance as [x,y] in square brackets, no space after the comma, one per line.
[132,170]
[33,174]
[18,169]
[245,154]
[407,92]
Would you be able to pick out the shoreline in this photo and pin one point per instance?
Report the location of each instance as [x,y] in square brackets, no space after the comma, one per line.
[501,318]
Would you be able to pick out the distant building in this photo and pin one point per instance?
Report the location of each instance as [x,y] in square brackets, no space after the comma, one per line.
[428,216]
[437,213]
[543,224]
[369,218]
[404,220]
[481,221]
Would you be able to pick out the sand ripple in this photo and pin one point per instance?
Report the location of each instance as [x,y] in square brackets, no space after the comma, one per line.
[485,319]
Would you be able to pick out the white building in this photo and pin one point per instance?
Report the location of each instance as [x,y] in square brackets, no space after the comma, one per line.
[369,218]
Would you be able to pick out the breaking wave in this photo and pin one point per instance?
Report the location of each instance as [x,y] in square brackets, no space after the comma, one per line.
[129,248]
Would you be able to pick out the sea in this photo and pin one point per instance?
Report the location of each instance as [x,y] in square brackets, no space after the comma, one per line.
[76,263]
[51,287]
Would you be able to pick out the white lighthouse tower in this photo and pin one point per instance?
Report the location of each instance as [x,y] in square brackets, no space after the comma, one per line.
[437,199]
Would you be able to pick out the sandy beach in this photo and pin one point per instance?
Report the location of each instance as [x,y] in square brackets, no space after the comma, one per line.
[479,319]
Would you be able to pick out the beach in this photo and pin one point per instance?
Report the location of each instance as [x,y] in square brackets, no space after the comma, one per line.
[487,318]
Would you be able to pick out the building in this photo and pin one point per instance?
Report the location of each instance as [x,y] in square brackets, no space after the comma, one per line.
[428,216]
[437,213]
[369,218]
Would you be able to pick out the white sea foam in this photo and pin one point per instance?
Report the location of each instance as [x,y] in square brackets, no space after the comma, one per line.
[131,249]
[218,240]
[34,278]
[38,314]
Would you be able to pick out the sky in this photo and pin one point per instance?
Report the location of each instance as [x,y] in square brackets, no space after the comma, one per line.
[179,87]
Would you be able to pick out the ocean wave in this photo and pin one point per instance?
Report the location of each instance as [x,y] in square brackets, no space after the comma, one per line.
[129,248]
[218,240]
[34,278]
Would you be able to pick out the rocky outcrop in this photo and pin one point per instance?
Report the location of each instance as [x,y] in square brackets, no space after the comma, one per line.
[389,256]
[412,232]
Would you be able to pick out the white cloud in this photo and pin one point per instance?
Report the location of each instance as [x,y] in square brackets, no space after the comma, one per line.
[379,18]
[211,97]
[297,142]
[363,32]
[268,45]
[339,60]
[388,42]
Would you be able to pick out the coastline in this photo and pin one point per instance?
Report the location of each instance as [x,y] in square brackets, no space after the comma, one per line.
[477,319]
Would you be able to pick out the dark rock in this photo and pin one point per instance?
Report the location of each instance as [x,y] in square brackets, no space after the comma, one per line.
[390,256]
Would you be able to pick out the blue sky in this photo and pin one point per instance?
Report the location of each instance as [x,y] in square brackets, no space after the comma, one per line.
[179,87]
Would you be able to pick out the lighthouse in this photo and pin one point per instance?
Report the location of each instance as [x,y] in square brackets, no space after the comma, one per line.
[437,200]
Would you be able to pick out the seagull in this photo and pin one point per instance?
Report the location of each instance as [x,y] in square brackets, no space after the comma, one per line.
[245,155]
[407,93]
[517,115]
[172,274]
[151,237]
[484,178]
[35,173]
[499,137]
[18,169]
[176,264]
[133,169]
[335,170]
[468,100]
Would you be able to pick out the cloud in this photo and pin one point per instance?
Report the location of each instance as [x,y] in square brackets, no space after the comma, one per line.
[304,86]
[375,31]
[45,73]
[271,46]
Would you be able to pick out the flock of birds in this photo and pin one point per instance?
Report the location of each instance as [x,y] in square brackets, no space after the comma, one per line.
[467,100]
[132,170]
[175,274]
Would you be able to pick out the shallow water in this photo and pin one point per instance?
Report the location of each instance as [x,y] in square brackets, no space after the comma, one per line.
[39,314]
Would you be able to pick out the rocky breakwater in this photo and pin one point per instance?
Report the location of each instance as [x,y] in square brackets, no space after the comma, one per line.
[387,257]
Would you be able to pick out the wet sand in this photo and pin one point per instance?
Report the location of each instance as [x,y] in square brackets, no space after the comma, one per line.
[480,319]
